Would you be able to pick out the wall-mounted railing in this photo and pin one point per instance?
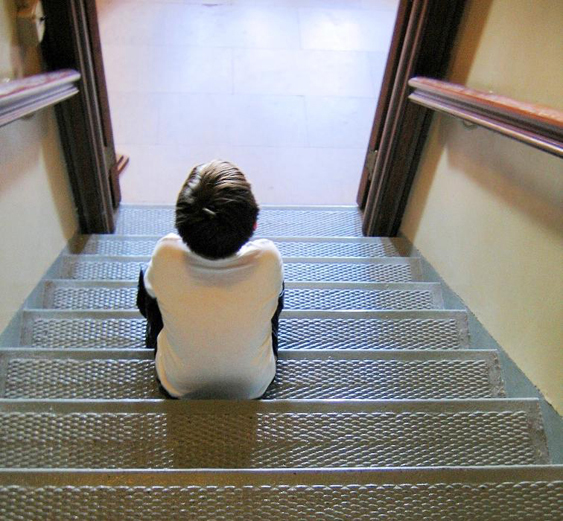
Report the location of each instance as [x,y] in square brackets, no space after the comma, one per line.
[19,98]
[536,125]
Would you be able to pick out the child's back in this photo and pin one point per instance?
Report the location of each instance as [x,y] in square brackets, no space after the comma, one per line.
[219,314]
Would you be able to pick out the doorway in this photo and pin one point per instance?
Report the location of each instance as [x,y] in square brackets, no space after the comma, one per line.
[286,89]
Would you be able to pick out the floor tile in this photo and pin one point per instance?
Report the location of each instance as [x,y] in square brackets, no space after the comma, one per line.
[193,80]
[229,26]
[195,119]
[346,29]
[322,73]
[233,120]
[343,4]
[139,68]
[275,121]
[156,173]
[135,117]
[377,62]
[282,175]
[203,70]
[131,22]
[330,73]
[339,122]
[302,175]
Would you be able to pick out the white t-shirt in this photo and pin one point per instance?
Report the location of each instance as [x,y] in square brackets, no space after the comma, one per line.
[217,336]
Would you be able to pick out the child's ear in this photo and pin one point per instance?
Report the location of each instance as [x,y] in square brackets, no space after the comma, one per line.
[255,225]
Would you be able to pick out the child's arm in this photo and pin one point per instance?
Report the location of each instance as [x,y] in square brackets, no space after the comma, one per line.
[275,320]
[148,306]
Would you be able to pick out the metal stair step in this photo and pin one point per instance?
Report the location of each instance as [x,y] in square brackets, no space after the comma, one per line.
[378,410]
[70,294]
[399,494]
[405,330]
[394,269]
[175,434]
[311,247]
[273,221]
[118,375]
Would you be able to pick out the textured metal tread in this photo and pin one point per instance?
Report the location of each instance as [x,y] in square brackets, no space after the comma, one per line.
[312,247]
[392,269]
[269,434]
[65,294]
[273,221]
[116,375]
[408,330]
[452,494]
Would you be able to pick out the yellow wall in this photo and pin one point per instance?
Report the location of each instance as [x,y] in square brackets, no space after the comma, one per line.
[36,211]
[486,211]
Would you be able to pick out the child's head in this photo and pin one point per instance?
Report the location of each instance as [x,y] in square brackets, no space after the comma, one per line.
[216,212]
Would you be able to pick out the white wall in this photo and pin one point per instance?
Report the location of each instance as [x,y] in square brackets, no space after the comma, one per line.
[486,211]
[37,214]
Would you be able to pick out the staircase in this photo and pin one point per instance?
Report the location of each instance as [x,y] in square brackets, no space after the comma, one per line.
[381,408]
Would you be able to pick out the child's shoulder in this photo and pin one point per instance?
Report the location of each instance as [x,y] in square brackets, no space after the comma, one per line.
[264,245]
[263,251]
[168,244]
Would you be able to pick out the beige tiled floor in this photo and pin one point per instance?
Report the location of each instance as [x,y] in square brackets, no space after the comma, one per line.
[284,88]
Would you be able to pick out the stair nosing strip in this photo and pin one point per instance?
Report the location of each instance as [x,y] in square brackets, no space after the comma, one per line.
[320,207]
[400,261]
[287,475]
[391,314]
[285,354]
[282,238]
[383,314]
[371,286]
[528,405]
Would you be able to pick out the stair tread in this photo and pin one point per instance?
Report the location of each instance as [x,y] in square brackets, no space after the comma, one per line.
[394,269]
[38,374]
[377,409]
[270,434]
[272,221]
[71,294]
[301,330]
[314,247]
[479,494]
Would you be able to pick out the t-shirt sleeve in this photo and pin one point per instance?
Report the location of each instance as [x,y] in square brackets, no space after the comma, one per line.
[148,278]
[278,264]
[152,267]
[280,271]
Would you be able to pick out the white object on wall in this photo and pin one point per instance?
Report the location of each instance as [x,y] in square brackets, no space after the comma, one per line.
[31,23]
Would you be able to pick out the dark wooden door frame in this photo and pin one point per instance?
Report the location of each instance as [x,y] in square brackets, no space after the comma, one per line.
[424,34]
[72,41]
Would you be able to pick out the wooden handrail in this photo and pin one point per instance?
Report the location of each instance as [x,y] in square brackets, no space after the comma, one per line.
[535,125]
[19,98]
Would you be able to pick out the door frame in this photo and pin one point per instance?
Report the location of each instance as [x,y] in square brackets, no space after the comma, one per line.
[422,41]
[72,41]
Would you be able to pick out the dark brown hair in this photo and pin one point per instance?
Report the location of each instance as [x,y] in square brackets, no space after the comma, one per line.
[216,211]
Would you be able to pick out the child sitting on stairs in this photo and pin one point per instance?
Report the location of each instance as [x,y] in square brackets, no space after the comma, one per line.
[212,297]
